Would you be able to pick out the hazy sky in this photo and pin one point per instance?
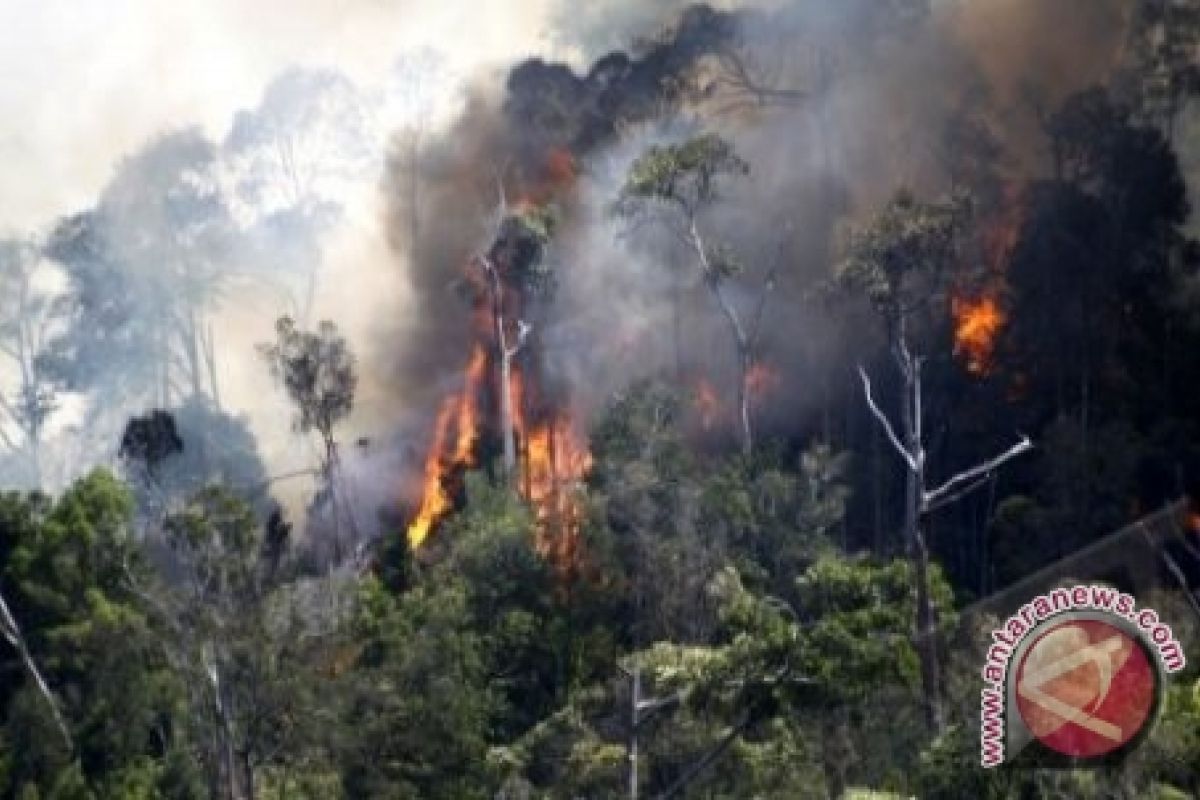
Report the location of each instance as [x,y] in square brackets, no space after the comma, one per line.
[83,82]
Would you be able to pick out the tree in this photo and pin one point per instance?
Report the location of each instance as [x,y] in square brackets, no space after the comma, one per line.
[899,261]
[842,641]
[290,165]
[29,316]
[683,180]
[418,700]
[318,372]
[239,632]
[1163,37]
[513,263]
[145,267]
[169,456]
[65,567]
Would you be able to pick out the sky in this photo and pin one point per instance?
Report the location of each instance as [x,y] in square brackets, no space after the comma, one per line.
[83,83]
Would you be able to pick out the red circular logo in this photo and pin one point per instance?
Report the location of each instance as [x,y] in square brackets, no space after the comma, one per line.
[1085,688]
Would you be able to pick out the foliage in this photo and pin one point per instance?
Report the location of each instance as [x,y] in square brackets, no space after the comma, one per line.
[686,175]
[899,260]
[317,371]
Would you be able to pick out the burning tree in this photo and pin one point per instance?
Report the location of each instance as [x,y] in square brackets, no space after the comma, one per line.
[506,395]
[682,181]
[899,260]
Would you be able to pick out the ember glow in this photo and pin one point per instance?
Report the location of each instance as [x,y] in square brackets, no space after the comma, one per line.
[708,405]
[760,380]
[976,324]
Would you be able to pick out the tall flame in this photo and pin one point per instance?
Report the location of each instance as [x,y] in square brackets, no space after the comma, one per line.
[460,413]
[554,459]
[553,452]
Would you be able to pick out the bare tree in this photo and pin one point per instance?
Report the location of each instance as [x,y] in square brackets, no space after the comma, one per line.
[898,260]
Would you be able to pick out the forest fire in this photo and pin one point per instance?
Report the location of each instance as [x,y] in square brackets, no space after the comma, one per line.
[545,449]
[976,324]
[978,321]
[459,412]
[552,459]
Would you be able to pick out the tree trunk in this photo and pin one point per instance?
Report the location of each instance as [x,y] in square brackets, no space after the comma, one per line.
[506,411]
[741,341]
[330,471]
[744,399]
[191,347]
[914,485]
[835,752]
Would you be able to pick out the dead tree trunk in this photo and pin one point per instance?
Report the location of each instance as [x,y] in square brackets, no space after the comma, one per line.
[918,503]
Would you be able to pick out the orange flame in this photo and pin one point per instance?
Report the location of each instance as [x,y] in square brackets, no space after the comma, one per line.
[553,450]
[459,411]
[976,324]
[554,459]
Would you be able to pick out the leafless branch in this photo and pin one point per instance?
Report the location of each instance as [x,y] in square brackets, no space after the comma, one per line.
[884,423]
[932,499]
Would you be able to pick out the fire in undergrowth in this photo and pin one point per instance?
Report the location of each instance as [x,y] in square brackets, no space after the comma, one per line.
[552,459]
[552,462]
[976,325]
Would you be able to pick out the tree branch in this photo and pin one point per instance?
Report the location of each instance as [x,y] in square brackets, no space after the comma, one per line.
[885,424]
[708,758]
[932,499]
[12,632]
